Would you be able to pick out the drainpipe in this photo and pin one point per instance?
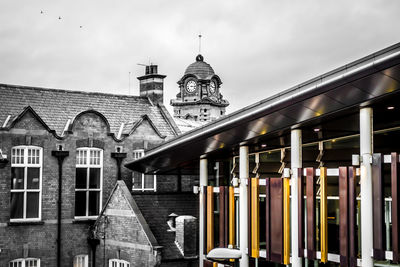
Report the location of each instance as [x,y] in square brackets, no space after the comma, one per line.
[60,155]
[119,157]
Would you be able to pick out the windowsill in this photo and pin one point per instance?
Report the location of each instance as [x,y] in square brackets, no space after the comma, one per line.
[25,222]
[144,190]
[84,219]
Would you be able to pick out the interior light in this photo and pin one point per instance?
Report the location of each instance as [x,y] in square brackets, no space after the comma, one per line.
[263,145]
[317,130]
[390,107]
[333,140]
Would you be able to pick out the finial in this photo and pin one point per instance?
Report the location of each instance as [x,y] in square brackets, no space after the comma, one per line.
[200,43]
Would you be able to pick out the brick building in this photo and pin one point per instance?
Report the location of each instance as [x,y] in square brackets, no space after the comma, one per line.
[61,155]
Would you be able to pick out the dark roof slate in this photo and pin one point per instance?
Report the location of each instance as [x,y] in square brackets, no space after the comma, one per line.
[55,107]
[156,208]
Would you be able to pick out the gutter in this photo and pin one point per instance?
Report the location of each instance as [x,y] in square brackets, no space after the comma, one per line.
[60,155]
[308,87]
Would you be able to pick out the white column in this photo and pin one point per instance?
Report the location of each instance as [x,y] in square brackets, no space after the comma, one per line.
[296,162]
[243,204]
[366,150]
[203,182]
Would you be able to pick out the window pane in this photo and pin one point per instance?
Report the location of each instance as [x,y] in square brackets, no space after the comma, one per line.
[32,205]
[80,203]
[33,178]
[17,178]
[149,181]
[94,203]
[94,178]
[17,202]
[137,180]
[81,180]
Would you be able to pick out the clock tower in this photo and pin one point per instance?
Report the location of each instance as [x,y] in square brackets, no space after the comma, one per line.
[199,97]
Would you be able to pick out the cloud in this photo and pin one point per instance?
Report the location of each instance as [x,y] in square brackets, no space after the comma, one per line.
[257,47]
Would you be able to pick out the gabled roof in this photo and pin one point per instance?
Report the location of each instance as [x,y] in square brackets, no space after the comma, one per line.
[120,185]
[55,107]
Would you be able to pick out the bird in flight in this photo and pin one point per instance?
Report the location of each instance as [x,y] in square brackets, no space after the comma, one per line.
[59,17]
[41,11]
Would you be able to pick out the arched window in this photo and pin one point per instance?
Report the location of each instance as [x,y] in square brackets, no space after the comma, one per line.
[88,182]
[28,262]
[26,183]
[118,263]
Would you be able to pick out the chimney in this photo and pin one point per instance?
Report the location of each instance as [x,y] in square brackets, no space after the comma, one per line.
[186,235]
[152,84]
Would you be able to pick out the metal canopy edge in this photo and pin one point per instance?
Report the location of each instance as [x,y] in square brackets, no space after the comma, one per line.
[311,99]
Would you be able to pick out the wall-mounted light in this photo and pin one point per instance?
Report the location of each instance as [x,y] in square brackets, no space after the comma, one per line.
[390,107]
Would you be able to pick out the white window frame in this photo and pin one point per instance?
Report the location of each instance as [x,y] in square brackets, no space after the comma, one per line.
[137,154]
[25,262]
[118,263]
[81,261]
[87,164]
[16,163]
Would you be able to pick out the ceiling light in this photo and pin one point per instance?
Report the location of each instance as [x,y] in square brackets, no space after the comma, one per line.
[390,107]
[317,130]
[263,145]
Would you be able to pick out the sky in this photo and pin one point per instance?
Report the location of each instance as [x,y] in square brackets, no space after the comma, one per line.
[257,47]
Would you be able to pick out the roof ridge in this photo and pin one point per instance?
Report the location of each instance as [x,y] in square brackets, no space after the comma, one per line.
[68,91]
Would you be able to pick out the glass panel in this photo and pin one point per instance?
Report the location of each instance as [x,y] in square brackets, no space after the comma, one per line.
[17,178]
[81,157]
[94,178]
[29,156]
[32,181]
[17,205]
[81,178]
[94,203]
[137,180]
[80,203]
[148,181]
[32,205]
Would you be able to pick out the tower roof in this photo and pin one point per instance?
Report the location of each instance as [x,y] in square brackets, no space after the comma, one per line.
[201,69]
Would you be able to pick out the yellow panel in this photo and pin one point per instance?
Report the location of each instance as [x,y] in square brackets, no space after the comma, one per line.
[215,264]
[324,216]
[210,218]
[255,219]
[286,221]
[231,216]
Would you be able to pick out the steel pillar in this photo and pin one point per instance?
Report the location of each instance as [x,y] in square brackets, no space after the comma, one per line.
[366,150]
[243,204]
[203,182]
[296,162]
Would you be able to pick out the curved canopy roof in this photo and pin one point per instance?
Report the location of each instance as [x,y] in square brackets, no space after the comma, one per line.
[361,83]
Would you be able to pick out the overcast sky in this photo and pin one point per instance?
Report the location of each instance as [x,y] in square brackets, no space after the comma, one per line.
[257,47]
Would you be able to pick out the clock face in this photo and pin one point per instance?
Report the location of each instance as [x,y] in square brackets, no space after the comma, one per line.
[212,87]
[191,86]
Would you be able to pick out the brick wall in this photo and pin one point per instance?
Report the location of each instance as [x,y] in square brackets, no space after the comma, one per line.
[39,240]
[123,236]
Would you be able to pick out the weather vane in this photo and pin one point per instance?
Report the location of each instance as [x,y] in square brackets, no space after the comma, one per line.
[200,43]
